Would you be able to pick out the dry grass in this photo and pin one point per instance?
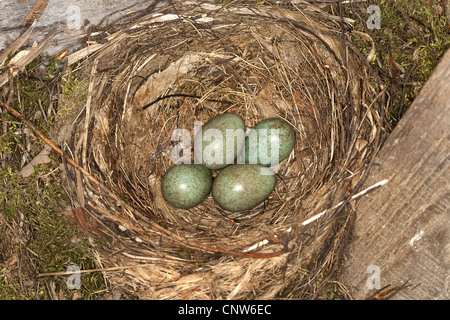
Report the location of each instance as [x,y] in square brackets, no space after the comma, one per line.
[151,77]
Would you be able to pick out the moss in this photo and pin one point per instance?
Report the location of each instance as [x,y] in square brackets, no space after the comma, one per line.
[7,292]
[412,35]
[41,239]
[73,97]
[35,84]
[53,237]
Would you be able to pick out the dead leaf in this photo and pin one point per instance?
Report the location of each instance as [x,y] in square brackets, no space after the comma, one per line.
[36,12]
[76,295]
[85,222]
[396,69]
[161,82]
[41,158]
[264,102]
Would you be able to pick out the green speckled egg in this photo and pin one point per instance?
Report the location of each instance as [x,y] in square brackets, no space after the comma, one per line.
[242,187]
[212,148]
[257,153]
[186,185]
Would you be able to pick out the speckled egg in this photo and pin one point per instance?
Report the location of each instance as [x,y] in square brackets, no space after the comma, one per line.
[186,185]
[222,139]
[242,187]
[258,143]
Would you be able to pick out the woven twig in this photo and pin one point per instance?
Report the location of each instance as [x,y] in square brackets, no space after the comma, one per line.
[192,61]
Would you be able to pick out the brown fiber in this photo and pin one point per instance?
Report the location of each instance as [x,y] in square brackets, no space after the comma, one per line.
[151,76]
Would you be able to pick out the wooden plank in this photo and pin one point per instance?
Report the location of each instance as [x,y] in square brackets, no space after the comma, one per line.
[70,19]
[403,228]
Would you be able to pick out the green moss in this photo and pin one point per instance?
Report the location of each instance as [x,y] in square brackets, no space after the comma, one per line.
[53,237]
[7,292]
[42,238]
[35,84]
[412,34]
[74,96]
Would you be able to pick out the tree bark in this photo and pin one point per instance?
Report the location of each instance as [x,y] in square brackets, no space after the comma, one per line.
[402,229]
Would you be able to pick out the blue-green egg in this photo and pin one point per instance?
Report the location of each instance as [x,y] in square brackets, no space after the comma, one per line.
[242,187]
[266,139]
[221,141]
[186,185]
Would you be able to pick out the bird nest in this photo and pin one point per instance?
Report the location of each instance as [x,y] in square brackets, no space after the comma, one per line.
[162,70]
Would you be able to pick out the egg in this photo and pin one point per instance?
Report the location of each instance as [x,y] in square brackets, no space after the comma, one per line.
[186,185]
[242,187]
[222,138]
[267,135]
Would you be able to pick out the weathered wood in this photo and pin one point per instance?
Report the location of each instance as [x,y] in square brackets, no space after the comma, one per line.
[70,19]
[403,227]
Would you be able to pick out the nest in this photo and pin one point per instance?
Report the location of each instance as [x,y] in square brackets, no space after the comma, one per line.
[189,62]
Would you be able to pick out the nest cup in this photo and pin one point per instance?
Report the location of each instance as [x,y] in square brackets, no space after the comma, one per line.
[190,61]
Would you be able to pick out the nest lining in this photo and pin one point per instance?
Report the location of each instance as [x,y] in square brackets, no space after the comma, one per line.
[153,76]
